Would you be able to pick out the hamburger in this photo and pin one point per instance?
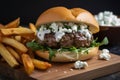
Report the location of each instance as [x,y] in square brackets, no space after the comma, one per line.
[65,35]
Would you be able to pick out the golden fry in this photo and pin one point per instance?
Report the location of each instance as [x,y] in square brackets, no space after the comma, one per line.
[1,36]
[41,64]
[17,31]
[28,64]
[13,24]
[18,38]
[13,53]
[14,43]
[2,26]
[7,56]
[33,28]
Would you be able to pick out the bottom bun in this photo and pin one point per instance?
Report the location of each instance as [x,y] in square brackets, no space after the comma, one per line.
[69,56]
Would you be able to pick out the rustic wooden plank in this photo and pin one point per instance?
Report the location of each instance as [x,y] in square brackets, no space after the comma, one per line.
[97,68]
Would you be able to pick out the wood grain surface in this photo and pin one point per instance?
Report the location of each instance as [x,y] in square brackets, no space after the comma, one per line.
[65,71]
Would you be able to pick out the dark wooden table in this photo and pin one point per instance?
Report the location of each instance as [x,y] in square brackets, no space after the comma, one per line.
[114,76]
[97,70]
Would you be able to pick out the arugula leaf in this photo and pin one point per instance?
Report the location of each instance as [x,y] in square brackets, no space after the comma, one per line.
[83,49]
[73,49]
[103,42]
[68,27]
[34,45]
[51,53]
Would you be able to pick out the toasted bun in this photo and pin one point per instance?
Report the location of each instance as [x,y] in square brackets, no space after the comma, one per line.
[69,56]
[63,14]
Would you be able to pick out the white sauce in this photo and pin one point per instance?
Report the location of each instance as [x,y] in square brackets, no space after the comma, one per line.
[105,54]
[80,64]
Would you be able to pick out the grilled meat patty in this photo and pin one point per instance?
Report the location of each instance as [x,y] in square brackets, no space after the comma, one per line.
[68,40]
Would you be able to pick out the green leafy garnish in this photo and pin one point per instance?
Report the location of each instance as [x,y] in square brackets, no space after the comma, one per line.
[34,45]
[68,27]
[74,49]
[51,53]
[103,42]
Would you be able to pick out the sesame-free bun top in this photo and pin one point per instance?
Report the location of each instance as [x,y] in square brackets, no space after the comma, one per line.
[62,14]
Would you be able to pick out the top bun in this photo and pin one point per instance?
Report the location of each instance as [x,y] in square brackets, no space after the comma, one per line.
[62,14]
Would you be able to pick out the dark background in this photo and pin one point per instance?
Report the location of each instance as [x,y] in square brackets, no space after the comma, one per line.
[29,10]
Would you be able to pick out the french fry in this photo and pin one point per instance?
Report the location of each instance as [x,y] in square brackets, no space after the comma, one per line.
[28,64]
[17,31]
[2,26]
[18,38]
[1,36]
[13,53]
[13,24]
[28,37]
[7,56]
[32,27]
[41,64]
[14,43]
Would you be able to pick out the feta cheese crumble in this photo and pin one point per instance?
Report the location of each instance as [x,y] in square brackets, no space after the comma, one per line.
[107,18]
[59,29]
[105,54]
[80,64]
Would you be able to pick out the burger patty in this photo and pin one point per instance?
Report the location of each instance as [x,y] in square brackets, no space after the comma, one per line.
[68,40]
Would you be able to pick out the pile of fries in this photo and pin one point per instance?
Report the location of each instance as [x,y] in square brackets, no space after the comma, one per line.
[13,50]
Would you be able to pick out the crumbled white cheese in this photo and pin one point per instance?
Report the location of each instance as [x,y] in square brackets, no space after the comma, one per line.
[80,64]
[54,27]
[74,28]
[105,54]
[59,30]
[85,31]
[59,35]
[41,34]
[70,24]
[107,18]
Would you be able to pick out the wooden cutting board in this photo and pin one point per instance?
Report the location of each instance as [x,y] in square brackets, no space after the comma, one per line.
[65,71]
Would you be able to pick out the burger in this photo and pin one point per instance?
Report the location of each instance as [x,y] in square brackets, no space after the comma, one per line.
[65,35]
